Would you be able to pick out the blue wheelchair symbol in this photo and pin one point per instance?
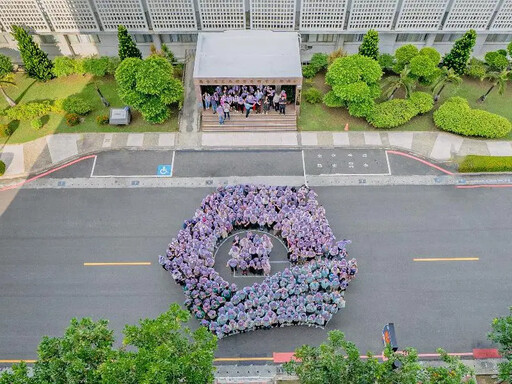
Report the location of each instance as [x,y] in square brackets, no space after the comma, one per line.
[163,170]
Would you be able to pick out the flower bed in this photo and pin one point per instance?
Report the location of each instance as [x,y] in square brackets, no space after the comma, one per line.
[308,293]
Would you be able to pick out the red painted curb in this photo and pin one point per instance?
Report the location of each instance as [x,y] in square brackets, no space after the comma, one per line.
[490,353]
[283,357]
[421,161]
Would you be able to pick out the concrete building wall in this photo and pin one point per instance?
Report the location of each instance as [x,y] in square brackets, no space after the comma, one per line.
[87,27]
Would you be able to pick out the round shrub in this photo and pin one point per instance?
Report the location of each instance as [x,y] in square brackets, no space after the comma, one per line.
[37,124]
[333,101]
[313,96]
[456,116]
[422,101]
[403,56]
[422,66]
[72,119]
[496,61]
[432,54]
[2,168]
[29,111]
[308,71]
[76,104]
[96,66]
[392,113]
[102,119]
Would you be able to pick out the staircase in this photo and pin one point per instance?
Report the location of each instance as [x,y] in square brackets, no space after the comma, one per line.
[273,121]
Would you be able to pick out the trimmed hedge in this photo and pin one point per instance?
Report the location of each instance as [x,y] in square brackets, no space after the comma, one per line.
[76,104]
[396,112]
[313,96]
[456,116]
[476,68]
[30,111]
[96,66]
[474,163]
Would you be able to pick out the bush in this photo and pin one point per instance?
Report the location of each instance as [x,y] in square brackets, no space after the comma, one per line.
[422,66]
[392,113]
[63,66]
[386,62]
[476,68]
[308,71]
[313,96]
[496,61]
[72,119]
[370,45]
[456,116]
[474,163]
[113,63]
[37,124]
[333,101]
[2,168]
[457,59]
[4,130]
[76,104]
[96,66]
[102,119]
[319,61]
[29,111]
[422,101]
[403,56]
[432,54]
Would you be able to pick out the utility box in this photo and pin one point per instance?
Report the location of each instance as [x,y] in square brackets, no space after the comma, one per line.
[120,116]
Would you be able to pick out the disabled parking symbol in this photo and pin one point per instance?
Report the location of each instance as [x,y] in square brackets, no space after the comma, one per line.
[164,170]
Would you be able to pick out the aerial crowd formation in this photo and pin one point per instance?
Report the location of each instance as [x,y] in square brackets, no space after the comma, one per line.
[309,293]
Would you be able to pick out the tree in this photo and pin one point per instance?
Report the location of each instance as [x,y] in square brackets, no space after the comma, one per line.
[370,45]
[447,76]
[355,83]
[35,60]
[497,61]
[501,334]
[457,59]
[6,78]
[509,49]
[498,79]
[127,47]
[165,352]
[149,86]
[338,361]
[396,82]
[403,56]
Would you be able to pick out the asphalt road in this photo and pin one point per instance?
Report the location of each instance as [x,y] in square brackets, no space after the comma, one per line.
[46,236]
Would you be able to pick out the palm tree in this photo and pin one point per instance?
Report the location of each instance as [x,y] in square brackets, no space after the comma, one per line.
[397,82]
[498,79]
[447,76]
[7,80]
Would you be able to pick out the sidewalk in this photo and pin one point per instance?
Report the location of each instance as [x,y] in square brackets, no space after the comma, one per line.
[49,151]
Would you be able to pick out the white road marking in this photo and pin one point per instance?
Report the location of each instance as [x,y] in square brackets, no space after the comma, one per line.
[172,162]
[304,169]
[93,166]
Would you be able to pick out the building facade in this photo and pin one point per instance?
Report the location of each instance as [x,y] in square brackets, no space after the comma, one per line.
[88,27]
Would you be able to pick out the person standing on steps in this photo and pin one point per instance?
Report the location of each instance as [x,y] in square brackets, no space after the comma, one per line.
[276,101]
[226,111]
[220,112]
[207,100]
[282,105]
[214,100]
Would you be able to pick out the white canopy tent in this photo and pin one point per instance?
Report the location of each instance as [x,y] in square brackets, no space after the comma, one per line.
[250,57]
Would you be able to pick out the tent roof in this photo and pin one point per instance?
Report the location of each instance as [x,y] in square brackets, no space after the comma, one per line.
[247,54]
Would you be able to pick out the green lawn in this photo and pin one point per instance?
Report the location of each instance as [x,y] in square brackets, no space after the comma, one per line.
[318,117]
[29,90]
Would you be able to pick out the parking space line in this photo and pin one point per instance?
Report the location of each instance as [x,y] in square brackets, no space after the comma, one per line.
[115,264]
[304,169]
[172,163]
[447,259]
[387,160]
[93,166]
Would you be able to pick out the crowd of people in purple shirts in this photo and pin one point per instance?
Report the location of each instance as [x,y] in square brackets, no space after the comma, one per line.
[308,293]
[244,99]
[251,254]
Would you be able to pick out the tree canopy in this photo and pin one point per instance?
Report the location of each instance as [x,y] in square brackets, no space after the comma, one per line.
[149,86]
[370,45]
[160,350]
[127,47]
[501,334]
[458,57]
[36,61]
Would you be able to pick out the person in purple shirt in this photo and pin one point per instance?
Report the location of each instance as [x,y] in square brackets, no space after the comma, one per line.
[220,112]
[215,101]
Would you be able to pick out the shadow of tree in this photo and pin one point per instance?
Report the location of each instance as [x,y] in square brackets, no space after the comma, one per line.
[24,92]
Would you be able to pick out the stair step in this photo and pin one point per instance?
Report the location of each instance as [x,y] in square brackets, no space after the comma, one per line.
[240,128]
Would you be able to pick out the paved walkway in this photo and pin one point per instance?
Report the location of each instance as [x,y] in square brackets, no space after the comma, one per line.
[49,151]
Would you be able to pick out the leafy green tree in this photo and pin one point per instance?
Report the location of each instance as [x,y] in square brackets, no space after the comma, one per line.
[403,56]
[6,78]
[36,61]
[447,76]
[370,45]
[355,83]
[127,47]
[398,82]
[457,59]
[476,68]
[498,79]
[432,54]
[165,352]
[338,361]
[149,86]
[501,334]
[497,61]
[509,49]
[19,375]
[386,62]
